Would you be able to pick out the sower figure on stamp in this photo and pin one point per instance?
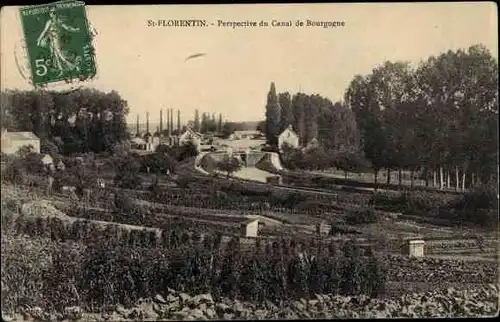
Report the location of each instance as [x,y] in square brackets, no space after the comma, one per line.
[52,34]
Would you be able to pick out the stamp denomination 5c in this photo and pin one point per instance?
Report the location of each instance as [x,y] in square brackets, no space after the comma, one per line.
[59,42]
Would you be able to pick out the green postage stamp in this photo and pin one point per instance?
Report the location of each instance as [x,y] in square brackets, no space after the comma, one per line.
[58,42]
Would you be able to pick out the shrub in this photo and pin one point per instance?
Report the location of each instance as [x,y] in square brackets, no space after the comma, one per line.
[188,150]
[123,203]
[359,217]
[478,198]
[208,163]
[24,261]
[127,171]
[414,202]
[229,165]
[478,206]
[352,162]
[341,228]
[184,180]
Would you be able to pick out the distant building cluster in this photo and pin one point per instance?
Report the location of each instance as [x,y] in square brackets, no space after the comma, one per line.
[241,141]
[169,135]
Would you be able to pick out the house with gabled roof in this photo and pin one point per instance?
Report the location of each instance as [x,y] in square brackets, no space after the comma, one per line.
[289,137]
[190,136]
[13,141]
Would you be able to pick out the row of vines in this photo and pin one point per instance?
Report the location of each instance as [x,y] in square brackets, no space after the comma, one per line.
[117,265]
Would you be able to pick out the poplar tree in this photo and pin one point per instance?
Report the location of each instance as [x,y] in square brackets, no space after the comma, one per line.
[273,112]
[196,123]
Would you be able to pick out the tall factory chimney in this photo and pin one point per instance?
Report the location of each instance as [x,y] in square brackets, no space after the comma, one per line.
[161,121]
[172,119]
[178,121]
[137,133]
[169,122]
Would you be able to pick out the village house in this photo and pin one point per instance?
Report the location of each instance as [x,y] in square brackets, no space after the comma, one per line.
[289,137]
[13,141]
[138,143]
[47,160]
[190,136]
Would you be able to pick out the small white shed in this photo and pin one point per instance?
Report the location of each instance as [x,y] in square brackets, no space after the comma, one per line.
[416,248]
[250,228]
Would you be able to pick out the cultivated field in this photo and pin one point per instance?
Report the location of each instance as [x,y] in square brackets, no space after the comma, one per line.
[176,235]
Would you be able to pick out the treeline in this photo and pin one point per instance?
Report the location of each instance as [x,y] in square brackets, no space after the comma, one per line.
[440,117]
[312,117]
[208,123]
[85,120]
[438,120]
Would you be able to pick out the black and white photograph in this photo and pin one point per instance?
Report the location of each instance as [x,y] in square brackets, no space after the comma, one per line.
[249,161]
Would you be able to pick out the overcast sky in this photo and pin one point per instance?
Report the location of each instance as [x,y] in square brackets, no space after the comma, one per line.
[146,65]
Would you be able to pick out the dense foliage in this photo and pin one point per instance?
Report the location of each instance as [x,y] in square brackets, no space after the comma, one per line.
[441,117]
[84,120]
[361,216]
[229,165]
[478,206]
[438,121]
[313,117]
[106,272]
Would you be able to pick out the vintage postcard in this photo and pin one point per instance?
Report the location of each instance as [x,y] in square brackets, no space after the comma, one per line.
[249,161]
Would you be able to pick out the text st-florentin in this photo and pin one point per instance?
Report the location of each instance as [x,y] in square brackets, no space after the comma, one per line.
[360,182]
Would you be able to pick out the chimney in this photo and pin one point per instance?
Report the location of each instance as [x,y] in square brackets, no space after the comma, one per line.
[137,126]
[178,121]
[172,118]
[169,121]
[161,121]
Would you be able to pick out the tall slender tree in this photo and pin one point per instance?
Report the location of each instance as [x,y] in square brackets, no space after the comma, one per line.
[219,124]
[286,117]
[171,120]
[273,112]
[298,106]
[196,122]
[161,120]
[178,121]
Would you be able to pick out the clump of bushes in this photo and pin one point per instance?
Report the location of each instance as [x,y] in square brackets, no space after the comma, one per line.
[361,216]
[127,172]
[342,228]
[478,206]
[208,163]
